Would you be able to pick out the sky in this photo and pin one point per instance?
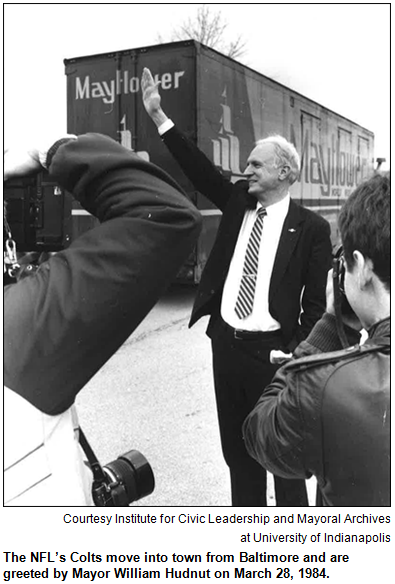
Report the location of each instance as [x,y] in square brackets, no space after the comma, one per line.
[335,54]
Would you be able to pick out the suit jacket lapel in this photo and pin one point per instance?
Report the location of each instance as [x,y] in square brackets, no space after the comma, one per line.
[289,236]
[230,228]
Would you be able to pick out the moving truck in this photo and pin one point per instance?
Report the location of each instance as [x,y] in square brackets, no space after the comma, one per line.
[225,107]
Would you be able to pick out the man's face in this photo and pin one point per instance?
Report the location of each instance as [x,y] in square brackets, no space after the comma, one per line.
[261,172]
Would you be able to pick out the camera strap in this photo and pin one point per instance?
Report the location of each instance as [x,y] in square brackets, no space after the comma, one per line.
[11,265]
[97,470]
[101,493]
[337,297]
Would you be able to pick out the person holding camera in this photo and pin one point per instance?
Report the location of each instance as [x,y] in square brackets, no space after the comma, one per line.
[327,413]
[64,322]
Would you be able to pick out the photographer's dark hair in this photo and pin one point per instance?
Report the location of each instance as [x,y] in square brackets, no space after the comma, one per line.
[364,223]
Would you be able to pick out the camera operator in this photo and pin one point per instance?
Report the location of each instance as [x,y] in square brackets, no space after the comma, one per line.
[62,323]
[328,414]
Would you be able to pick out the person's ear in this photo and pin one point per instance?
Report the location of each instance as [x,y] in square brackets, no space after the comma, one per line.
[284,172]
[364,269]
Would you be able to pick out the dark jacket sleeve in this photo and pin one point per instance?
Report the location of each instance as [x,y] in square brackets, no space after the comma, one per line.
[319,260]
[63,323]
[283,430]
[204,176]
[275,433]
[324,337]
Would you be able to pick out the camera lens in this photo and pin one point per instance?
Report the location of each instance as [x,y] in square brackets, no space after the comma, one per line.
[133,471]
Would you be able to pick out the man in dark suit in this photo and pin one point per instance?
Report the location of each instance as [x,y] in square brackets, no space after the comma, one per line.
[263,286]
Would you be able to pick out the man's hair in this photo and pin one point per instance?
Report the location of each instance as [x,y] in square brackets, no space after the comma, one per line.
[285,153]
[364,223]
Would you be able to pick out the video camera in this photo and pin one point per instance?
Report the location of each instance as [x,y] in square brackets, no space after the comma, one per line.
[38,213]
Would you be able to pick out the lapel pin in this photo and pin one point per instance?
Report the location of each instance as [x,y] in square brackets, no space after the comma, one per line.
[292,230]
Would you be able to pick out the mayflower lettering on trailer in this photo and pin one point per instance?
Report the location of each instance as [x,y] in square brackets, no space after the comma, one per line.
[336,169]
[122,84]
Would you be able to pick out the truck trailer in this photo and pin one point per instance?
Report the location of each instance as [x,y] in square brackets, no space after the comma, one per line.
[225,107]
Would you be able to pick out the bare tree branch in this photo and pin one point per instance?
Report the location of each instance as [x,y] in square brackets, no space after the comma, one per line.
[236,48]
[209,28]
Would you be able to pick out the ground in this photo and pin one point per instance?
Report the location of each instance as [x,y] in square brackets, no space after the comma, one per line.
[156,395]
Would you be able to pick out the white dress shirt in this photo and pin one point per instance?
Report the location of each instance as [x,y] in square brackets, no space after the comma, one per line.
[165,127]
[260,318]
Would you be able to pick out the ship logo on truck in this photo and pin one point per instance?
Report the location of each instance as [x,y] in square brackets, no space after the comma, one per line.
[226,149]
[126,139]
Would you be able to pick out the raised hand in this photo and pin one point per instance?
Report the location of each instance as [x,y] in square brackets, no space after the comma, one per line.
[151,98]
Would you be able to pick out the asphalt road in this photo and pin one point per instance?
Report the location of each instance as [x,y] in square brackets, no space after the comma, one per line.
[156,395]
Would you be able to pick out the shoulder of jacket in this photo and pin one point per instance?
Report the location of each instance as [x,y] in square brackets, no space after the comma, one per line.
[312,215]
[333,357]
[240,193]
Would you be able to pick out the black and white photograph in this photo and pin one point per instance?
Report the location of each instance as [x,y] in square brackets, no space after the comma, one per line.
[196,238]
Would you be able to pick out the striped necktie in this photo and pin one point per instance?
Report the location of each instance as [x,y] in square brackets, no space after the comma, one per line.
[245,298]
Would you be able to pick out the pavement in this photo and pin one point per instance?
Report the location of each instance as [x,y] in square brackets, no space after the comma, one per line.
[156,395]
